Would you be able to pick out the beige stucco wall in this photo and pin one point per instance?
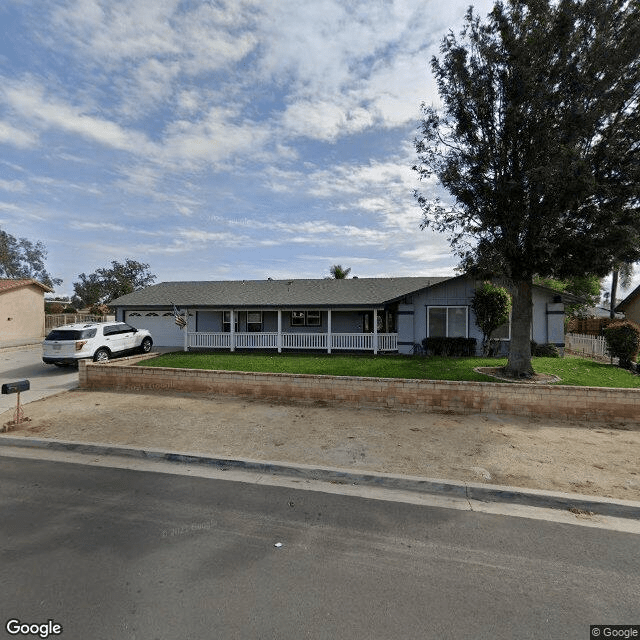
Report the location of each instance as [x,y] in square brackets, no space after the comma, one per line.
[22,313]
[632,310]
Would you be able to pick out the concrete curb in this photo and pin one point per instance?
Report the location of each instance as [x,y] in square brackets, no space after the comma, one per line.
[448,488]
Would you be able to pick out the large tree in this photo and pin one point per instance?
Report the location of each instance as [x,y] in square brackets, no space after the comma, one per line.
[110,283]
[22,259]
[537,144]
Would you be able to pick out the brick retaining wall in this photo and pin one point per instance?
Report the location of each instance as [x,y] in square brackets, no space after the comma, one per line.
[588,403]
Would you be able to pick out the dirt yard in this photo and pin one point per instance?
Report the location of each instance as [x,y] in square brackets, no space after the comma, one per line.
[593,459]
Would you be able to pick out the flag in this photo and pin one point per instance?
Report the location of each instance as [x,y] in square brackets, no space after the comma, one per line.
[180,321]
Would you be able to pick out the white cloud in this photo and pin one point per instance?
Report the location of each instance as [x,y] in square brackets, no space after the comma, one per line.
[17,137]
[10,206]
[199,36]
[30,100]
[96,226]
[14,186]
[325,119]
[213,139]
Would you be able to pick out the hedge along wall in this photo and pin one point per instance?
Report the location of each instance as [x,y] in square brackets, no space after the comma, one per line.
[587,403]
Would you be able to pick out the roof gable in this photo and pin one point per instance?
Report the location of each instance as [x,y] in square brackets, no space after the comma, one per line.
[9,284]
[628,300]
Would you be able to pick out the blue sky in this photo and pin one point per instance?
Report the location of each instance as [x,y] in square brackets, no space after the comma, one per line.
[219,139]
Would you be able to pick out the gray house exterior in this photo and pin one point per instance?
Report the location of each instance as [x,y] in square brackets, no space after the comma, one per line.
[358,314]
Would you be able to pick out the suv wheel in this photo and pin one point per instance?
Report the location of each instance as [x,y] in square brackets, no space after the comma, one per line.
[146,345]
[101,355]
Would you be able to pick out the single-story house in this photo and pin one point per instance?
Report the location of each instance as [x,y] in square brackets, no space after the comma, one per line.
[357,314]
[21,310]
[630,306]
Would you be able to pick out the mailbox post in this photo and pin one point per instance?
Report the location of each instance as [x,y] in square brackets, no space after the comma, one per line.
[16,387]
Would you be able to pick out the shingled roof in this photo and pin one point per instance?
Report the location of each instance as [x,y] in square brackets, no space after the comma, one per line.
[352,292]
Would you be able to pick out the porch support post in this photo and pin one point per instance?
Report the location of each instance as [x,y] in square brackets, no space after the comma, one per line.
[186,330]
[279,343]
[329,331]
[232,329]
[375,331]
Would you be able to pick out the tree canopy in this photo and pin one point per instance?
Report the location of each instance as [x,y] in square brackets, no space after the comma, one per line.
[586,287]
[537,144]
[23,259]
[106,284]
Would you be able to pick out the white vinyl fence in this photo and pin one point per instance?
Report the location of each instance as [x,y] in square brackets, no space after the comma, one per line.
[595,346]
[53,320]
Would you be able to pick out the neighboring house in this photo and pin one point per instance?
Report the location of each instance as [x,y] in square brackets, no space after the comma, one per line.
[21,310]
[328,315]
[630,306]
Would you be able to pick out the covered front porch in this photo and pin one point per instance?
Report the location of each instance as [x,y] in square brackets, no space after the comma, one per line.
[304,329]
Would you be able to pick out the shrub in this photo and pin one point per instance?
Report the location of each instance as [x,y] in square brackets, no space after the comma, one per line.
[455,347]
[53,307]
[491,305]
[99,310]
[623,341]
[546,350]
[69,309]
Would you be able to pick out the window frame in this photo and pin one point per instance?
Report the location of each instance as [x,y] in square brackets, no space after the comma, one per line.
[226,324]
[306,318]
[260,323]
[447,307]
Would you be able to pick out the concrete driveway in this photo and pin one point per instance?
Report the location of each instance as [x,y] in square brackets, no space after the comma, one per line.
[25,363]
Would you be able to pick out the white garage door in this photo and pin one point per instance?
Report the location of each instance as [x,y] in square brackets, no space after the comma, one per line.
[164,331]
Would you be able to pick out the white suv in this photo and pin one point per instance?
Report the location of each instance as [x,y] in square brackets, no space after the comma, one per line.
[69,343]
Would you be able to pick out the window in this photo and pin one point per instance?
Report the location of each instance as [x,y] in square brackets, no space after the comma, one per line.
[313,318]
[447,322]
[71,334]
[297,318]
[367,322]
[226,322]
[305,318]
[152,313]
[254,321]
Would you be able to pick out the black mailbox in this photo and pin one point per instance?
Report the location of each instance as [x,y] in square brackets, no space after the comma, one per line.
[15,387]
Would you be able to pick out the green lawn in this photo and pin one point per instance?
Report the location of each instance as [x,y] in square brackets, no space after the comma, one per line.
[571,370]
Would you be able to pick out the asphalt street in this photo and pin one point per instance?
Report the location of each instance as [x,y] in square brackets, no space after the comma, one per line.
[116,553]
[25,363]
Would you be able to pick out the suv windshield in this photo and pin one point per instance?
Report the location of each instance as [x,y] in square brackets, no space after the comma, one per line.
[71,334]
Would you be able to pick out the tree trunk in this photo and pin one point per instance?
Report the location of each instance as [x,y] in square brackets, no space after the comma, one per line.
[614,292]
[519,362]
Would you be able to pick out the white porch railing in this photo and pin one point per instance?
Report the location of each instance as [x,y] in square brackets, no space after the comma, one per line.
[304,340]
[210,340]
[387,342]
[256,340]
[269,340]
[586,345]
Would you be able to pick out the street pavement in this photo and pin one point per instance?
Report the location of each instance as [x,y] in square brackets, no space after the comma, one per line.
[116,553]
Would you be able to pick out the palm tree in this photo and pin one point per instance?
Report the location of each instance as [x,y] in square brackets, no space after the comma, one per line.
[338,273]
[622,274]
